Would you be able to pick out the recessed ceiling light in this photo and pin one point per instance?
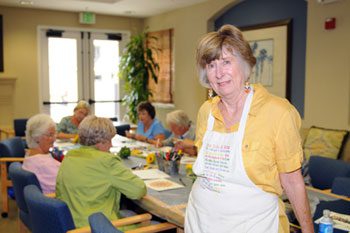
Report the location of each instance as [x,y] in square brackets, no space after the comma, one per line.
[26,2]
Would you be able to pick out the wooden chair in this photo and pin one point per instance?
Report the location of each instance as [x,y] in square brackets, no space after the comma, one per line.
[11,150]
[49,215]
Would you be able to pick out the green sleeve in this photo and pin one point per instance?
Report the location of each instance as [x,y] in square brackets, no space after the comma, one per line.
[125,181]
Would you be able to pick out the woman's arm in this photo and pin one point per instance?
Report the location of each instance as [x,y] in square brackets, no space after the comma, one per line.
[294,187]
[65,135]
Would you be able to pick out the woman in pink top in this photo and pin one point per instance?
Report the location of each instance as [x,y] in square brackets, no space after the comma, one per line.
[40,136]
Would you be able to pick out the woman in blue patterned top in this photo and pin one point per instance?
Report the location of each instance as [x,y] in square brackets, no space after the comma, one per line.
[68,127]
[148,127]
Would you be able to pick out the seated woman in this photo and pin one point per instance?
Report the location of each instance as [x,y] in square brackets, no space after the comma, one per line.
[40,136]
[148,126]
[91,179]
[68,127]
[183,133]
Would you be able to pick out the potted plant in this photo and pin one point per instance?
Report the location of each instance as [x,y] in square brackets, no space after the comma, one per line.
[135,68]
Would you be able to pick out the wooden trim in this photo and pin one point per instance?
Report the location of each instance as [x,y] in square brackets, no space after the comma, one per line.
[327,193]
[154,228]
[118,223]
[4,160]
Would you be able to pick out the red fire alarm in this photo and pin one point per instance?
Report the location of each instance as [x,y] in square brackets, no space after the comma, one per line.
[329,24]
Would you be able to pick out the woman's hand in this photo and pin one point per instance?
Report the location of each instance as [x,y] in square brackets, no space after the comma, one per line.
[140,137]
[128,134]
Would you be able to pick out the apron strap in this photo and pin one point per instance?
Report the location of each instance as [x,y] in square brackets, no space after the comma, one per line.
[245,112]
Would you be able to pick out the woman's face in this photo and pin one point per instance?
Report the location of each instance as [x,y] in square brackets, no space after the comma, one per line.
[177,130]
[226,74]
[47,139]
[80,114]
[144,117]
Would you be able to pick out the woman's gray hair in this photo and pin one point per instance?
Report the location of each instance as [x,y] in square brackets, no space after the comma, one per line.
[211,45]
[93,130]
[178,117]
[36,127]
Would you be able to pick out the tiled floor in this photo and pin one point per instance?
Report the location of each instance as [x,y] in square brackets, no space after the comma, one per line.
[10,224]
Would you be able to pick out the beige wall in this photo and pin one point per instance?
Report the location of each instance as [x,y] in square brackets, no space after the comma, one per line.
[327,94]
[328,66]
[21,52]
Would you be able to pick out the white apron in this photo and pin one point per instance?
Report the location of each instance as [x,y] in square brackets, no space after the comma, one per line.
[223,198]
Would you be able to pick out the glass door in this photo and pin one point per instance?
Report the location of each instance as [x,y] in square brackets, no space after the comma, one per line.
[80,65]
[105,82]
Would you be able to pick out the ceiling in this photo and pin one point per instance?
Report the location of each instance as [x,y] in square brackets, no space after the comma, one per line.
[130,8]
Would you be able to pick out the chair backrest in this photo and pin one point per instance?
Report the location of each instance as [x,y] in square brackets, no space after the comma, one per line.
[324,170]
[48,215]
[19,126]
[12,147]
[21,178]
[341,186]
[99,223]
[122,128]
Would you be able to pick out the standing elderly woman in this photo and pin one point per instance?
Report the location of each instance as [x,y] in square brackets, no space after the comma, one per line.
[40,136]
[68,126]
[91,179]
[249,147]
[148,126]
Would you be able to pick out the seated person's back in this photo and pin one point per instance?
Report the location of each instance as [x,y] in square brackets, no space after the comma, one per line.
[91,179]
[40,136]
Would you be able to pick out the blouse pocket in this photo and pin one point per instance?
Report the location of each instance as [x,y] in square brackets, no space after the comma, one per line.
[258,156]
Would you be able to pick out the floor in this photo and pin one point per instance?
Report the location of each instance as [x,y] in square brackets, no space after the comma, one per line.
[10,224]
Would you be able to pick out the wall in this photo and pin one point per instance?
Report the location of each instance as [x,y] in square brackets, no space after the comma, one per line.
[21,51]
[327,87]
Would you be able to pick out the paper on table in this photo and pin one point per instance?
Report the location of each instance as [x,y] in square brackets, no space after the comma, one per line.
[188,159]
[149,174]
[341,221]
[162,184]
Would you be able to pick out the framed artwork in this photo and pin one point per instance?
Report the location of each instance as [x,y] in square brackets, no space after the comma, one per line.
[270,46]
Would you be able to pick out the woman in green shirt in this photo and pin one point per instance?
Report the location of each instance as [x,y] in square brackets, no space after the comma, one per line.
[91,179]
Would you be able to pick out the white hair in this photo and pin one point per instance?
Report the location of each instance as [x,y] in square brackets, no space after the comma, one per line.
[36,127]
[178,117]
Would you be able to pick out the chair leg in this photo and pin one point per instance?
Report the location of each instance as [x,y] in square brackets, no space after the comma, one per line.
[4,196]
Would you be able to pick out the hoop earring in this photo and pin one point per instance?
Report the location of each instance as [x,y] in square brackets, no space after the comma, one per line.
[247,87]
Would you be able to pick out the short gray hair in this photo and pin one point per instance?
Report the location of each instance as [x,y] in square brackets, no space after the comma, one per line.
[93,130]
[178,117]
[36,127]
